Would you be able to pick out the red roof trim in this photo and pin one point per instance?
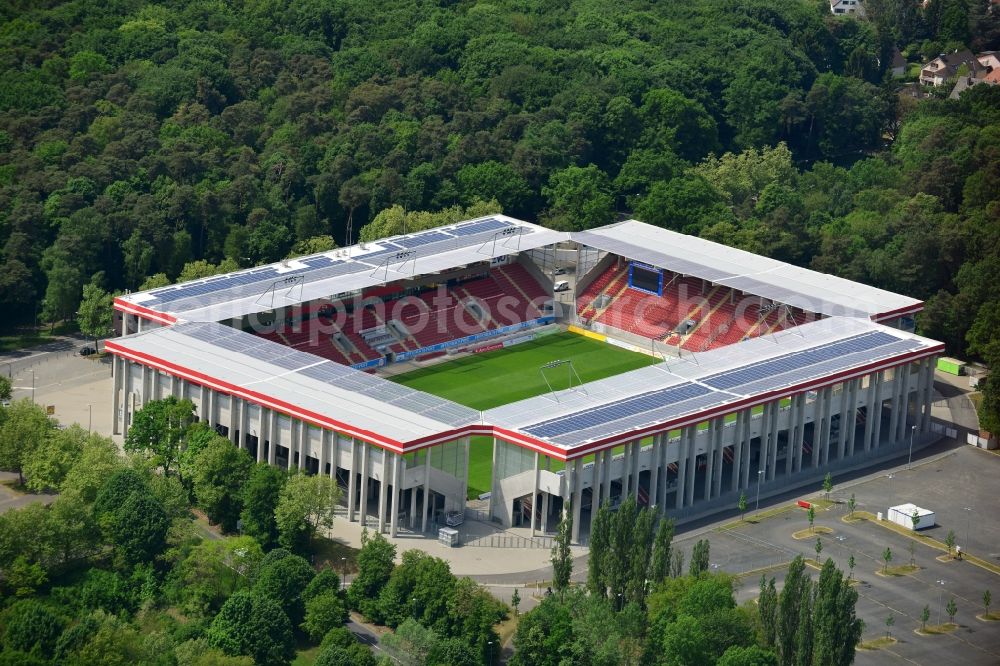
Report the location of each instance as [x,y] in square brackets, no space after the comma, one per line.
[517,438]
[144,312]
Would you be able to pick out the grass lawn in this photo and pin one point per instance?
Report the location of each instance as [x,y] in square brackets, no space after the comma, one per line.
[491,379]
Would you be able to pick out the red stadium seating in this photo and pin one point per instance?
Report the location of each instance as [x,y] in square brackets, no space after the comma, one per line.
[508,295]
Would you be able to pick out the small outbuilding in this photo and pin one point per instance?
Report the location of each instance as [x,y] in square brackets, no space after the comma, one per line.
[904,515]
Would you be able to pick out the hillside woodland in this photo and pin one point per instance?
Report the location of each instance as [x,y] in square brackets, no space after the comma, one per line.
[143,142]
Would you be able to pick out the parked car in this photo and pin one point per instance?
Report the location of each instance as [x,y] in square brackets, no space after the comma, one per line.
[87,351]
[454,518]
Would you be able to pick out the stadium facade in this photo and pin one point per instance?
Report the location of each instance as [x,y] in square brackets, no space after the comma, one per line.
[769,375]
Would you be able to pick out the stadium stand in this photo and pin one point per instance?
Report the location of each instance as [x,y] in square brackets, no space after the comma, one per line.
[507,296]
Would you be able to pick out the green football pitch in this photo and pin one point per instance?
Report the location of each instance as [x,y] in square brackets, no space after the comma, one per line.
[491,379]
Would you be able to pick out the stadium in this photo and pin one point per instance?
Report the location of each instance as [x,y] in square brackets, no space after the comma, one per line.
[536,372]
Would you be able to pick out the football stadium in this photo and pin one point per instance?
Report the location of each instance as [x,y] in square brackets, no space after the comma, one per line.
[536,373]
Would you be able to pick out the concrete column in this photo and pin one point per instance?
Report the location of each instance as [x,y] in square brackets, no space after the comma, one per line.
[709,460]
[383,491]
[790,439]
[413,496]
[773,430]
[661,463]
[609,458]
[260,433]
[869,410]
[877,410]
[465,476]
[626,471]
[117,372]
[682,465]
[842,419]
[324,441]
[745,439]
[363,488]
[272,434]
[494,480]
[234,417]
[394,506]
[720,425]
[734,482]
[895,389]
[765,440]
[173,385]
[577,499]
[848,420]
[203,404]
[636,455]
[654,470]
[534,497]
[595,488]
[352,488]
[213,408]
[904,403]
[427,489]
[545,513]
[692,462]
[928,398]
[127,397]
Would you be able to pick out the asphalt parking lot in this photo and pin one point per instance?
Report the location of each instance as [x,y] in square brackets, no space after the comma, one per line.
[946,483]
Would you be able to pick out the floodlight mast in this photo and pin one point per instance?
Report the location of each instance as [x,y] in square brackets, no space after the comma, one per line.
[288,283]
[401,258]
[505,234]
[571,373]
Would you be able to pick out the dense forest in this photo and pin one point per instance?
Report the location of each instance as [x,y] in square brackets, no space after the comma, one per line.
[145,142]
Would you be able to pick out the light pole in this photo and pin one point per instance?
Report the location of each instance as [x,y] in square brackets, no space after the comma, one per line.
[909,459]
[343,579]
[490,643]
[892,497]
[940,599]
[760,475]
[968,516]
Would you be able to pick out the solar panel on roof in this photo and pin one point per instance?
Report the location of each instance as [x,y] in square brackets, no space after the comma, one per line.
[618,410]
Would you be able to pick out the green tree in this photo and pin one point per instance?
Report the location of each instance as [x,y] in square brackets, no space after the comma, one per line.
[600,543]
[306,504]
[31,626]
[494,180]
[811,515]
[95,315]
[253,625]
[742,504]
[886,558]
[890,620]
[159,428]
[925,615]
[24,429]
[685,643]
[797,583]
[951,609]
[285,579]
[260,499]
[54,457]
[852,504]
[221,472]
[660,565]
[515,601]
[6,388]
[699,558]
[747,656]
[950,540]
[322,613]
[579,198]
[138,528]
[544,635]
[767,609]
[818,548]
[828,484]
[375,564]
[24,577]
[987,602]
[562,556]
[850,565]
[836,629]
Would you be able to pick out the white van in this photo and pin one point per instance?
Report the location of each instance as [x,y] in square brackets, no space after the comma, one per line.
[561,285]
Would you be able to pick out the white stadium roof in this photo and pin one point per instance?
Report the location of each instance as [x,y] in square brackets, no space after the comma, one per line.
[611,410]
[751,273]
[570,423]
